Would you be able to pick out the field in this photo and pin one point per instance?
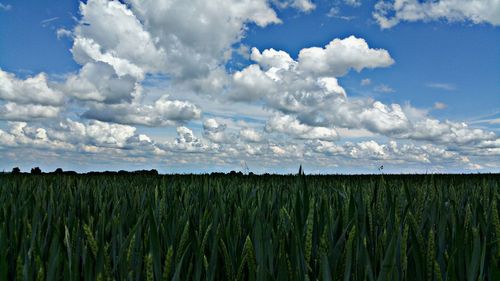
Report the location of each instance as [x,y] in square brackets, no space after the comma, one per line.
[238,227]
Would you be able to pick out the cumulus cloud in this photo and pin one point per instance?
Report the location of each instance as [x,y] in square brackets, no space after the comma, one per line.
[32,90]
[62,32]
[391,152]
[335,59]
[28,99]
[299,110]
[215,132]
[316,100]
[95,133]
[27,112]
[250,135]
[125,143]
[109,32]
[390,13]
[448,132]
[72,135]
[302,5]
[163,112]
[198,35]
[312,104]
[289,125]
[186,141]
[99,82]
[341,55]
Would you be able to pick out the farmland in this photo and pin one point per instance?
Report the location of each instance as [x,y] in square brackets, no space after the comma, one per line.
[249,227]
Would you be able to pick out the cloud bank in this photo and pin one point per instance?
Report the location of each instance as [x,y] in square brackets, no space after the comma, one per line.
[152,87]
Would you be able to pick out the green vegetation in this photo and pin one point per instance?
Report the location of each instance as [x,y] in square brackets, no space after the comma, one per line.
[221,227]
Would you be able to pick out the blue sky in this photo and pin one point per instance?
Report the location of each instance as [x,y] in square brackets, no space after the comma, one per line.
[178,89]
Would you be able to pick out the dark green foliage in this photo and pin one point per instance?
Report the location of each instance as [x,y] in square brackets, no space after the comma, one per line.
[237,227]
[36,171]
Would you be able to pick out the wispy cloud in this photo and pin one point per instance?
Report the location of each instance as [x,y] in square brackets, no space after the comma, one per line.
[5,7]
[439,105]
[354,3]
[366,82]
[61,32]
[382,88]
[493,121]
[335,13]
[45,22]
[441,86]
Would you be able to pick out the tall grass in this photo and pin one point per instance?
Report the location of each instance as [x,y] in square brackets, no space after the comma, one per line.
[440,227]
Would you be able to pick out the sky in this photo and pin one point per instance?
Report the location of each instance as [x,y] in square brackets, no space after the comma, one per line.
[342,86]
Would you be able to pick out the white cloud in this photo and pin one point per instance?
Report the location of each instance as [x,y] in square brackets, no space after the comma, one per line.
[312,98]
[109,32]
[215,132]
[99,82]
[92,133]
[251,84]
[341,55]
[384,119]
[27,112]
[250,135]
[366,82]
[5,7]
[382,88]
[302,5]
[289,125]
[198,35]
[354,3]
[334,12]
[32,90]
[441,86]
[473,166]
[163,112]
[439,105]
[106,134]
[270,58]
[448,132]
[7,140]
[156,63]
[489,121]
[45,22]
[390,13]
[69,135]
[186,141]
[62,32]
[390,152]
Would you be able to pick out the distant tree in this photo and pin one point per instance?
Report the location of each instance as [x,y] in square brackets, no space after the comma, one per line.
[16,170]
[58,171]
[36,171]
